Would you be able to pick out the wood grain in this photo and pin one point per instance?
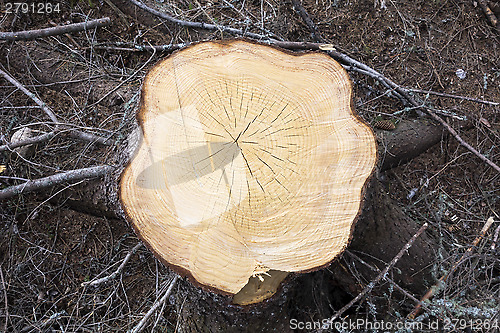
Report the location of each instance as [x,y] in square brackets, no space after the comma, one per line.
[251,160]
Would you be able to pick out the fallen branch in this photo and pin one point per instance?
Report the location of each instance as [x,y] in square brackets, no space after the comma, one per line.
[64,29]
[115,273]
[74,133]
[199,25]
[495,238]
[40,327]
[141,48]
[139,327]
[388,279]
[307,19]
[453,96]
[41,183]
[379,277]
[125,81]
[29,141]
[404,93]
[5,299]
[441,282]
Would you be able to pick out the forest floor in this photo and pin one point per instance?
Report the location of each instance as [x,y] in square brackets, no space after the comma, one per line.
[47,249]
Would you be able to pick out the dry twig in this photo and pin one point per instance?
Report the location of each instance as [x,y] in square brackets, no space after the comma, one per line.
[5,298]
[115,273]
[139,327]
[403,93]
[465,98]
[441,282]
[380,276]
[74,133]
[307,19]
[61,30]
[29,141]
[41,183]
[388,279]
[199,25]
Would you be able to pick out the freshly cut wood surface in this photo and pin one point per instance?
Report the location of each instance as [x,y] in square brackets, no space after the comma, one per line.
[251,160]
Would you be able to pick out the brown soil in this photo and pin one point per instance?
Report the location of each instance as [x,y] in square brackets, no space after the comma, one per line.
[47,249]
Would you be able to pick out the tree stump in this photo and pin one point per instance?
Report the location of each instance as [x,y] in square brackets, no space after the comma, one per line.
[252,164]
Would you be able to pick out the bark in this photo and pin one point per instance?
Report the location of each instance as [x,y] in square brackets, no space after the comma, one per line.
[76,27]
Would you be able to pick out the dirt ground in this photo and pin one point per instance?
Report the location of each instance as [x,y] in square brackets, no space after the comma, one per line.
[47,249]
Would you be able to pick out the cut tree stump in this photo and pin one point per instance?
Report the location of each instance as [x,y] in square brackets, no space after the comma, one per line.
[303,294]
[252,164]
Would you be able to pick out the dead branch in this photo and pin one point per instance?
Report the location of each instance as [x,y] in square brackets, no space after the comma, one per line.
[64,29]
[388,279]
[126,80]
[74,133]
[465,98]
[115,273]
[141,48]
[40,327]
[495,238]
[5,299]
[41,183]
[307,19]
[29,141]
[441,282]
[139,327]
[381,275]
[200,25]
[405,93]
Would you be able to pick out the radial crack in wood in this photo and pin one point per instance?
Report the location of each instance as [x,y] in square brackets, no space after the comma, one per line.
[251,161]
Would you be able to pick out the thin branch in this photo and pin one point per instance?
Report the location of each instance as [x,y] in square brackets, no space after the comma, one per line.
[307,19]
[4,287]
[74,133]
[345,59]
[139,327]
[126,80]
[388,279]
[199,25]
[381,275]
[41,183]
[115,273]
[465,98]
[64,29]
[141,48]
[439,285]
[29,141]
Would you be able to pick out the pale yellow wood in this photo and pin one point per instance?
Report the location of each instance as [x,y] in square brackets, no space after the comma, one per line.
[251,160]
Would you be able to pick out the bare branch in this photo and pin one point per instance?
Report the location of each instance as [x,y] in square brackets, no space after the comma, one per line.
[465,98]
[64,29]
[38,184]
[139,327]
[405,94]
[5,299]
[115,273]
[307,19]
[199,25]
[74,133]
[29,141]
[441,282]
[381,275]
